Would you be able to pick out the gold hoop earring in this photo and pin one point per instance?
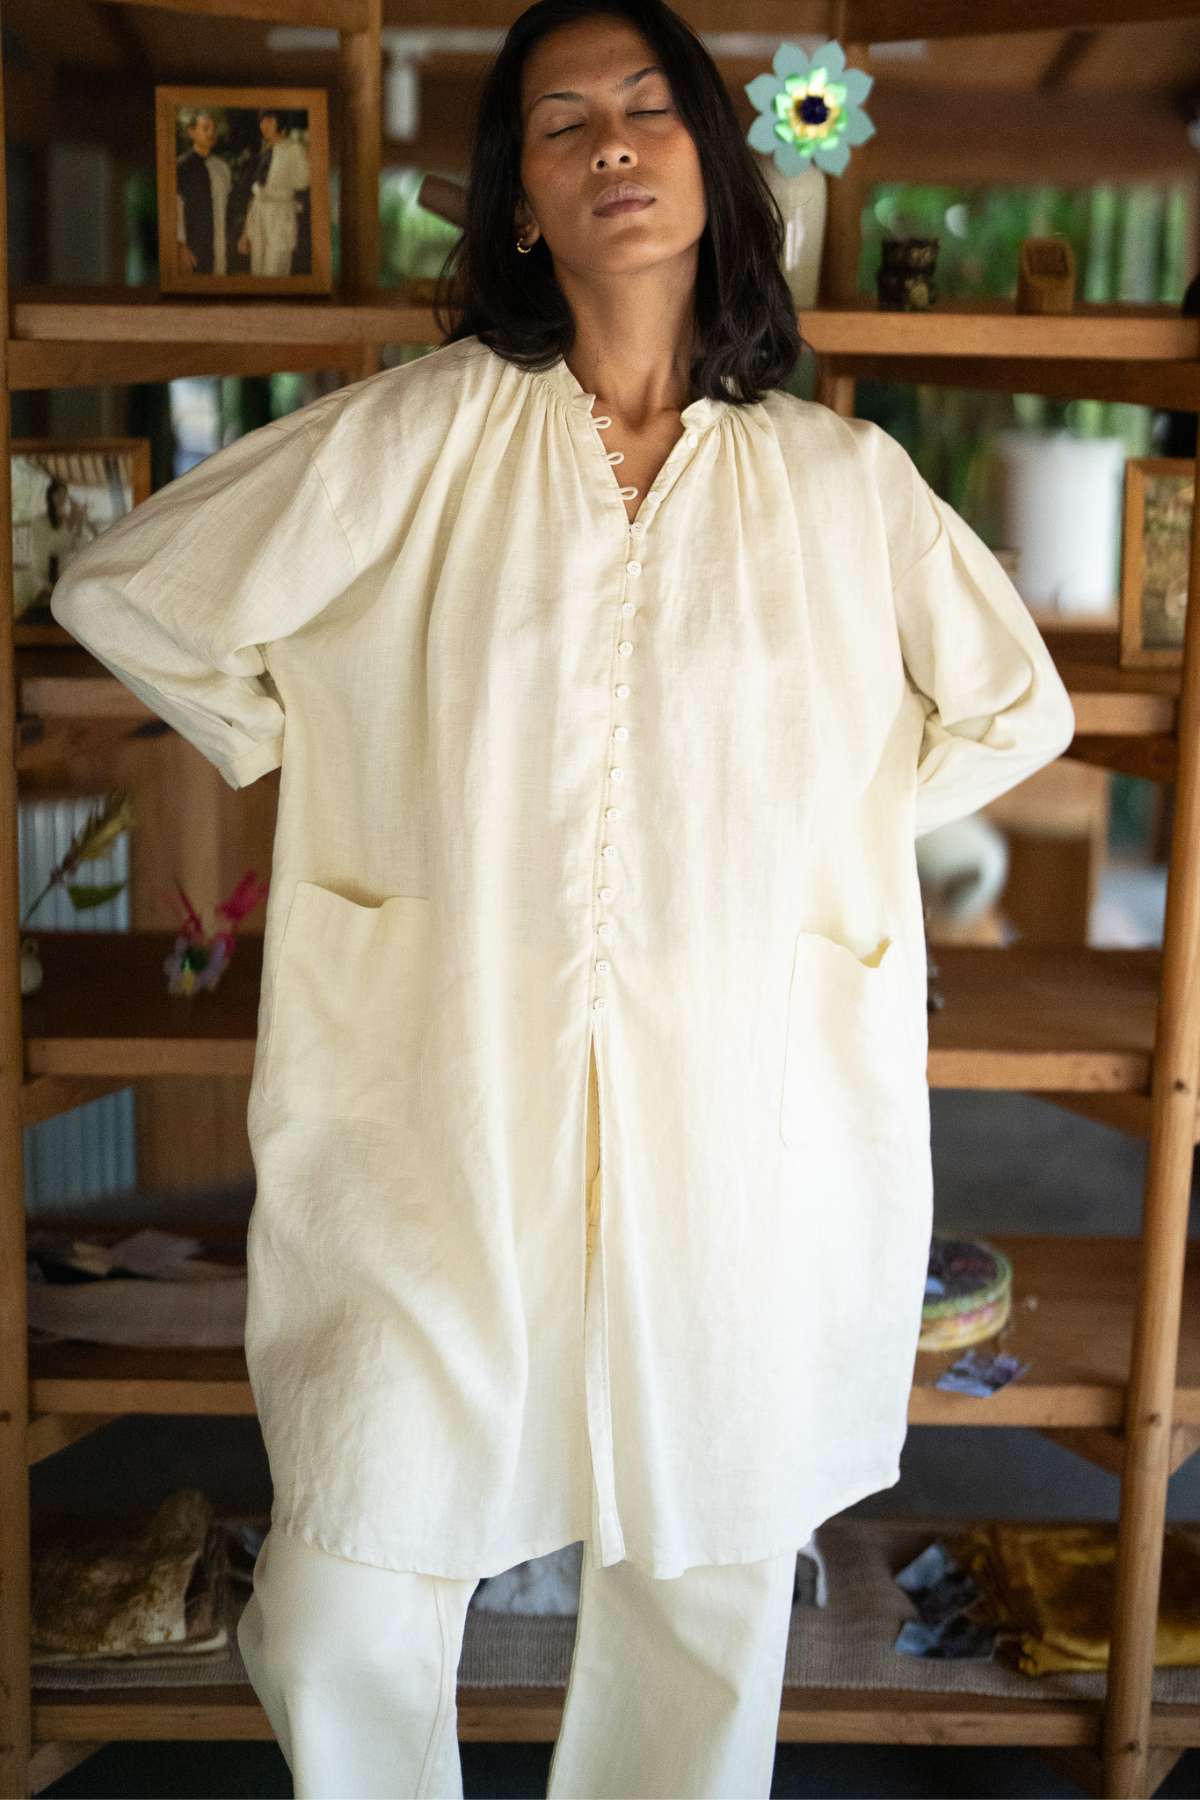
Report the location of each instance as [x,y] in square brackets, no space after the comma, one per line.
[523,249]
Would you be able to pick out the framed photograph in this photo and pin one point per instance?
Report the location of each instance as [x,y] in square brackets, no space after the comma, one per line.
[243,190]
[1155,554]
[65,492]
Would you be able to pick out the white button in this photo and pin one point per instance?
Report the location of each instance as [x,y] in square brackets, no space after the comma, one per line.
[625,648]
[637,528]
[609,850]
[622,689]
[612,812]
[603,929]
[628,606]
[598,1002]
[606,893]
[621,733]
[602,968]
[692,437]
[633,568]
[616,774]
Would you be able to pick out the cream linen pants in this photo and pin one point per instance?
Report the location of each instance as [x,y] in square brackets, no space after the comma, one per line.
[674,1687]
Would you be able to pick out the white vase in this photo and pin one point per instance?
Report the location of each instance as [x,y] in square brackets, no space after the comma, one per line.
[802,201]
[1061,502]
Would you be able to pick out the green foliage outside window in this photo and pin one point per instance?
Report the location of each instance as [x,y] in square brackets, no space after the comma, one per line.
[1129,243]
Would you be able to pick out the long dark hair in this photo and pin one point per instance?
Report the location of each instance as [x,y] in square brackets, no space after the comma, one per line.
[747,333]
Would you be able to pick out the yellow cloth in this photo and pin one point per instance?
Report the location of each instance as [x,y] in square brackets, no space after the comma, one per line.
[1052,1587]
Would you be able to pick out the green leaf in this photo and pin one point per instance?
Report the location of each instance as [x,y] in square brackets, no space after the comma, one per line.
[85,894]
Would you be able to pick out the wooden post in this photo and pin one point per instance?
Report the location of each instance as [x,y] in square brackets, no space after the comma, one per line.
[1151,1391]
[15,1709]
[840,254]
[361,120]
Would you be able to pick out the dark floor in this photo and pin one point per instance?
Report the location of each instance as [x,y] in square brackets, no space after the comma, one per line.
[492,1771]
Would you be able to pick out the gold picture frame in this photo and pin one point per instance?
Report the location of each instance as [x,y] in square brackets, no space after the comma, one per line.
[65,492]
[1155,559]
[243,190]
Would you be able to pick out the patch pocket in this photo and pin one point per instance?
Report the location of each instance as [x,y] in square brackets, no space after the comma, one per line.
[848,1046]
[349,1008]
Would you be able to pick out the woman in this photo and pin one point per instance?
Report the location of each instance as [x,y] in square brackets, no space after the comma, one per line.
[589,1111]
[270,230]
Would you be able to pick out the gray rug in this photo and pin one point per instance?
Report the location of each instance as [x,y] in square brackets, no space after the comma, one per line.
[846,1644]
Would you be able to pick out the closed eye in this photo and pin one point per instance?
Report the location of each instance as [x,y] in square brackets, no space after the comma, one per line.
[646,113]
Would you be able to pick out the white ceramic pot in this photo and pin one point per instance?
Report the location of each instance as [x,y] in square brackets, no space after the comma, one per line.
[802,200]
[1061,498]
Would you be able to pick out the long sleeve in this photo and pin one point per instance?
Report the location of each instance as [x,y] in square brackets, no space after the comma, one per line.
[997,708]
[182,597]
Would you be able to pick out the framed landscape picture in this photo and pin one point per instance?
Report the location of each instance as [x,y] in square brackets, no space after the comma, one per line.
[65,492]
[1155,557]
[243,190]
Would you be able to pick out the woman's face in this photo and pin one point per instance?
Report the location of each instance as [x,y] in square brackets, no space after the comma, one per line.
[618,129]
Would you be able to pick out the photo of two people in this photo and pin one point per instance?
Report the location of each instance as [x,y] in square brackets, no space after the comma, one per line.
[243,190]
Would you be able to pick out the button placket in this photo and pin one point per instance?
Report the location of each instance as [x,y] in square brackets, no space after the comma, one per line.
[606,1521]
[636,528]
[619,733]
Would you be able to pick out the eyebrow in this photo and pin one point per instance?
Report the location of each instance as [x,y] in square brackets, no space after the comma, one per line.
[629,80]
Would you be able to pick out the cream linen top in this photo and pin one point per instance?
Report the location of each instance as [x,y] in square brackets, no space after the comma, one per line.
[550,776]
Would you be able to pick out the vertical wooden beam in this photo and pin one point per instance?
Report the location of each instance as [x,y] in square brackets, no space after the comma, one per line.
[843,235]
[15,1711]
[361,135]
[1151,1392]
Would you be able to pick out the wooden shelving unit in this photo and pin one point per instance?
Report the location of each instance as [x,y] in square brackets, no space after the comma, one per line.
[1113,1341]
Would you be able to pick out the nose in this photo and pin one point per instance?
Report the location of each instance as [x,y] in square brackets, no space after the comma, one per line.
[614,156]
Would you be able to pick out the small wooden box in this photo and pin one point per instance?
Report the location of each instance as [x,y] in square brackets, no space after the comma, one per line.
[1046,276]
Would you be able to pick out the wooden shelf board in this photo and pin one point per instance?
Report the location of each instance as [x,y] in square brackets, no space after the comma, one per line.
[1076,1342]
[340,15]
[533,1715]
[1137,381]
[87,313]
[1023,1017]
[1087,655]
[882,21]
[52,366]
[67,336]
[148,1714]
[977,326]
[91,977]
[1044,1017]
[70,1376]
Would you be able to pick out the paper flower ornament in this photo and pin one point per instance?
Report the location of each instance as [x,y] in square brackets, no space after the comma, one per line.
[810,109]
[198,958]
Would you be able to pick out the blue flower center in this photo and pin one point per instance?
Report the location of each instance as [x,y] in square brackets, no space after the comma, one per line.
[813,110]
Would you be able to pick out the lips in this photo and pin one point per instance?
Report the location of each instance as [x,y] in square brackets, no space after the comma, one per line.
[624,196]
[621,206]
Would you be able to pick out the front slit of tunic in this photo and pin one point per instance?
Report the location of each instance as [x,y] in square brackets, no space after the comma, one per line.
[608,1540]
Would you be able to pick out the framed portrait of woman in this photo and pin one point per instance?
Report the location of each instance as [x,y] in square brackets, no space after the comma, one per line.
[1155,555]
[243,190]
[65,492]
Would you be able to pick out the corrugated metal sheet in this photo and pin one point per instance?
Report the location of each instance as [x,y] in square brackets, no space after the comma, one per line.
[88,1153]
